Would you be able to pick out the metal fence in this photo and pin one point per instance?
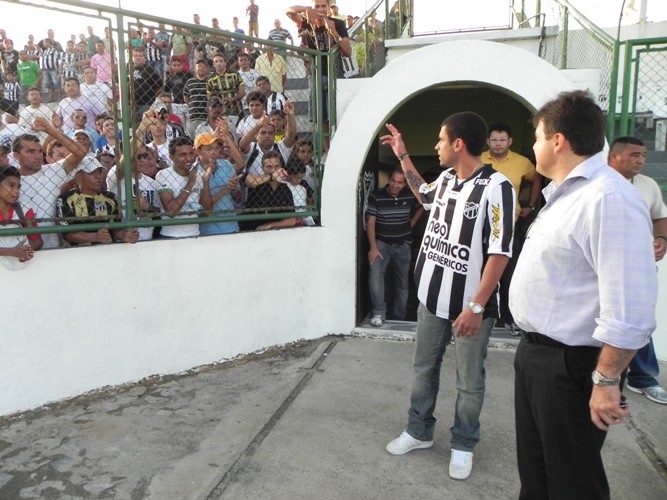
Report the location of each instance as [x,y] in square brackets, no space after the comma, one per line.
[580,44]
[643,97]
[113,115]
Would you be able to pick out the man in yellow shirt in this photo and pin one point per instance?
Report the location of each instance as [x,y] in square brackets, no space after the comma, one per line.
[516,168]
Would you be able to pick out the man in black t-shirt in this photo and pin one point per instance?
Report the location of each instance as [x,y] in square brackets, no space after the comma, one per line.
[145,82]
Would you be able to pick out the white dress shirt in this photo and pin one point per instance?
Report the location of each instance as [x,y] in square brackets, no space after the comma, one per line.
[586,275]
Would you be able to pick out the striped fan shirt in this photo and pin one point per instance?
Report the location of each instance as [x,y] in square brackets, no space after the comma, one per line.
[468,221]
[68,59]
[50,58]
[11,91]
[153,53]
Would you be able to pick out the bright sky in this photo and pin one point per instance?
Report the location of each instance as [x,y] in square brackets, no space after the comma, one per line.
[430,15]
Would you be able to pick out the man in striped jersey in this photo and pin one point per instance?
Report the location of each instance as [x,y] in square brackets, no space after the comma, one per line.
[466,246]
[392,213]
[49,63]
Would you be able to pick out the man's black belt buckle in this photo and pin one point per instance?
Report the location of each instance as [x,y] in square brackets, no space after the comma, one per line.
[538,338]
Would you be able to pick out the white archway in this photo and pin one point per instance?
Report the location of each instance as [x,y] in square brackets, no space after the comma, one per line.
[522,74]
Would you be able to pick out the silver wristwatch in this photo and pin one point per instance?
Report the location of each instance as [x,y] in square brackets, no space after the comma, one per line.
[601,380]
[475,307]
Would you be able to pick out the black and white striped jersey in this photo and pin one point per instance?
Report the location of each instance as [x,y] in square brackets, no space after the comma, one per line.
[468,220]
[50,59]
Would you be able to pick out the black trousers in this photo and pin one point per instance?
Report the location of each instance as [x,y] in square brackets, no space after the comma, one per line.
[558,446]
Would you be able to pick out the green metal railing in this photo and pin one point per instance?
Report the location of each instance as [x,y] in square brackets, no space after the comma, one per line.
[643,95]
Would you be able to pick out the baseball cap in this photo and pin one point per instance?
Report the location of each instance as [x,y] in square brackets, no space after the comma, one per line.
[89,165]
[80,131]
[205,139]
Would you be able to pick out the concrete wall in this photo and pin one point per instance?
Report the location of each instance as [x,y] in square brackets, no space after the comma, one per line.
[80,319]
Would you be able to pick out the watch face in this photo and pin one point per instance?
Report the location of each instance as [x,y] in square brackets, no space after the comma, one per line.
[476,308]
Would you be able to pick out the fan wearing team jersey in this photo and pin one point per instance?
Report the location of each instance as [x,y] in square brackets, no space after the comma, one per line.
[465,248]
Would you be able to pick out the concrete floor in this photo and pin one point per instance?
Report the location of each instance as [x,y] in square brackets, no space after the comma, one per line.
[306,422]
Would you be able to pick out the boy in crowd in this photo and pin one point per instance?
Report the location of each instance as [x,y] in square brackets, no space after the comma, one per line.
[11,93]
[15,251]
[89,202]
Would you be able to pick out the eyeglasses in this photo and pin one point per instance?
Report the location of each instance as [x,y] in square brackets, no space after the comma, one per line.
[143,156]
[498,139]
[79,117]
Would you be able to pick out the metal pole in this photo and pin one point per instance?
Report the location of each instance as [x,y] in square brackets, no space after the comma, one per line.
[625,99]
[613,92]
[563,49]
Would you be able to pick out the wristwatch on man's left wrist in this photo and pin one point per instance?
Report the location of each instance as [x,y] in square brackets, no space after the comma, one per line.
[475,307]
[601,380]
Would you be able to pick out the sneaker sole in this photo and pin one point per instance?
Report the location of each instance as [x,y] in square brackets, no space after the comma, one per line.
[418,447]
[645,394]
[462,478]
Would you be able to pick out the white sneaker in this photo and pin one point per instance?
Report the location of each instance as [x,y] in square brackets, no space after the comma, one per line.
[460,464]
[656,393]
[377,320]
[405,443]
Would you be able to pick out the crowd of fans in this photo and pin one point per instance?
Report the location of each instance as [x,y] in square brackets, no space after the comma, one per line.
[213,133]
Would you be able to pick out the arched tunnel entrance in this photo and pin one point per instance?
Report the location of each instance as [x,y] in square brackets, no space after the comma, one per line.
[419,120]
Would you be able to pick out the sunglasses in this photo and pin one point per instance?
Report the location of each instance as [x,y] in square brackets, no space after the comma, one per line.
[78,117]
[143,156]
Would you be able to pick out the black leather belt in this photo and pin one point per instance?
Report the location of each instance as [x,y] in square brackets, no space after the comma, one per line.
[538,338]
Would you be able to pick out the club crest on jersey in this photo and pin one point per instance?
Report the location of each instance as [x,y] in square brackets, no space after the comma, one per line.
[471,210]
[100,207]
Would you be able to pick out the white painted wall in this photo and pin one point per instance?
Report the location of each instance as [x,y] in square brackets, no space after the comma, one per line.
[80,319]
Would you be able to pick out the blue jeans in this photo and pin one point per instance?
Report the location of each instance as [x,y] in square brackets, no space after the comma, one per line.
[433,336]
[644,368]
[399,257]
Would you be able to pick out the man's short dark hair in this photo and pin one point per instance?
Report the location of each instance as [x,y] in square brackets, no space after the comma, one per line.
[17,143]
[575,115]
[397,170]
[72,79]
[256,95]
[500,127]
[470,128]
[277,112]
[620,143]
[177,142]
[263,78]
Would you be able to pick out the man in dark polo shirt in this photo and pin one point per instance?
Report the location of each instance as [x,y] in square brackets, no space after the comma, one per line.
[391,214]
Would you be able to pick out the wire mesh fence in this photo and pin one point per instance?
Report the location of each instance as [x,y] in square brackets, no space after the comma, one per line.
[159,129]
[578,44]
[643,95]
